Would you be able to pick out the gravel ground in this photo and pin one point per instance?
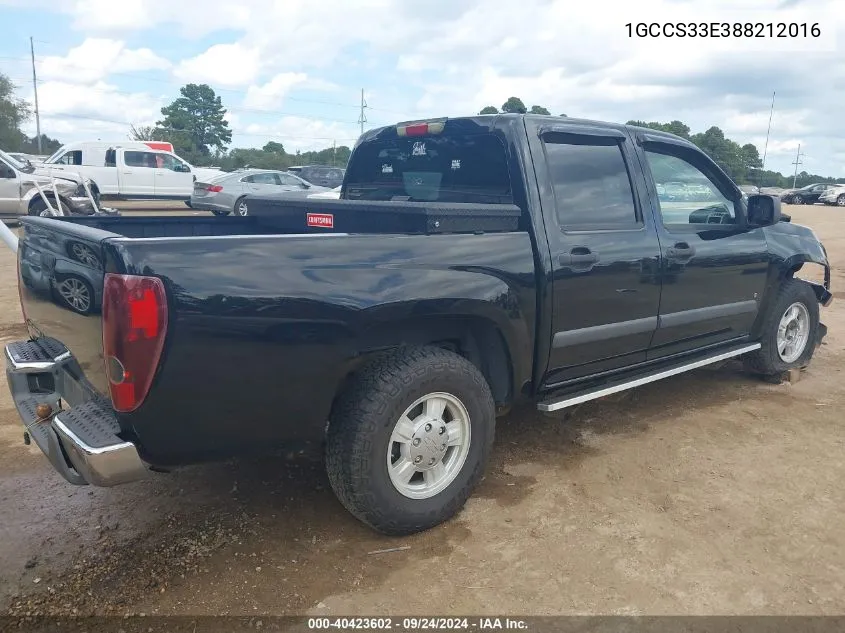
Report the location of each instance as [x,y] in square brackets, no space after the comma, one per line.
[708,493]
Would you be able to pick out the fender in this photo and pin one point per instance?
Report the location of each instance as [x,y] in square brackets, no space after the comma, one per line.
[791,246]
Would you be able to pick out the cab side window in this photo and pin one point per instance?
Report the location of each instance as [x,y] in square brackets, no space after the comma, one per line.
[592,186]
[71,158]
[685,194]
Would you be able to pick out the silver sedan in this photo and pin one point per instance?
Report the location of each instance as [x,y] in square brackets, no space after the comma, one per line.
[229,193]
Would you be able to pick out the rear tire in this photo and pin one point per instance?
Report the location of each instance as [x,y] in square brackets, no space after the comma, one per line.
[221,213]
[789,331]
[840,201]
[188,204]
[386,423]
[797,200]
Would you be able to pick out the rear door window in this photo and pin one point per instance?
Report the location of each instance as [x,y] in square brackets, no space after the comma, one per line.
[469,168]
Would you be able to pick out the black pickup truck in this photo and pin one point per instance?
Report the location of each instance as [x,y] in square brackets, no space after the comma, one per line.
[470,264]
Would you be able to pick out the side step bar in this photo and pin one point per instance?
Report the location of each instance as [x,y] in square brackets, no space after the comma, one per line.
[572,400]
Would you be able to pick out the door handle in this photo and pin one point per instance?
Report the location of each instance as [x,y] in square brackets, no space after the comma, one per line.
[579,257]
[681,250]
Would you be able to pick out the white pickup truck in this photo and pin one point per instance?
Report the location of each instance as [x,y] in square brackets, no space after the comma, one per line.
[134,173]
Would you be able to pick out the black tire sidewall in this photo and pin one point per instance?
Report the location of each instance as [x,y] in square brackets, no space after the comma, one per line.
[793,291]
[362,424]
[459,386]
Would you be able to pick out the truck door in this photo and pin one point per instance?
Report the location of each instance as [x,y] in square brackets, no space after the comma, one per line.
[136,174]
[604,252]
[173,177]
[713,266]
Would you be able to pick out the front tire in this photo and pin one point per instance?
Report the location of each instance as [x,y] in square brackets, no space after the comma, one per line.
[840,201]
[241,209]
[409,438]
[797,200]
[39,208]
[789,331]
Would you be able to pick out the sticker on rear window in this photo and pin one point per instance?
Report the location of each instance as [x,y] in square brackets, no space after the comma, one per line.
[419,149]
[321,220]
[387,169]
[456,164]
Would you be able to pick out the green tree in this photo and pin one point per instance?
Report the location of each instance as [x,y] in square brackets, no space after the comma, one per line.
[195,123]
[489,110]
[13,113]
[147,133]
[274,148]
[48,145]
[514,105]
[535,109]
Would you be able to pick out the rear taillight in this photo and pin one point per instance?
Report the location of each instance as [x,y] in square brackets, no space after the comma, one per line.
[214,188]
[421,128]
[134,327]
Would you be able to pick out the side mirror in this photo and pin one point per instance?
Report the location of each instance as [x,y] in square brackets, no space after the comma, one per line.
[763,210]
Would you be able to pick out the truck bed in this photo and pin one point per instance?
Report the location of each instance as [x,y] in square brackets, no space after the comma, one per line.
[277,215]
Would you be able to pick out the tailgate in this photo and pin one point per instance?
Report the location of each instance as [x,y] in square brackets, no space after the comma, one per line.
[61,287]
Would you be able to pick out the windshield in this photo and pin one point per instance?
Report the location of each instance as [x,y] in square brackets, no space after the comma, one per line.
[56,155]
[469,168]
[14,162]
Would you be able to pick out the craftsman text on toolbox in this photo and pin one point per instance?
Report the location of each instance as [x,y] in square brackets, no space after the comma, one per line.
[777,30]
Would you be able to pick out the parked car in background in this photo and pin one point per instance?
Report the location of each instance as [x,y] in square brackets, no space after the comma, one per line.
[228,193]
[834,195]
[320,175]
[131,172]
[749,189]
[805,195]
[331,194]
[19,194]
[32,159]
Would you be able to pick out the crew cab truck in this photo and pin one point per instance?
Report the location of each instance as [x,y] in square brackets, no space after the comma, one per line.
[134,172]
[470,264]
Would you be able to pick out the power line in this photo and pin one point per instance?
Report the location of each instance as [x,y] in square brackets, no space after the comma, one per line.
[239,133]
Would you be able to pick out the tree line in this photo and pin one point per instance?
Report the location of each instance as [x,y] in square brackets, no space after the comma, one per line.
[14,112]
[195,124]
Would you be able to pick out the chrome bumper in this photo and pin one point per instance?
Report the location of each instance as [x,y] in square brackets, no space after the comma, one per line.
[81,440]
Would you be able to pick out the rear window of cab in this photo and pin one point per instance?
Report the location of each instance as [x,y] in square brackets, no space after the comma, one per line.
[459,168]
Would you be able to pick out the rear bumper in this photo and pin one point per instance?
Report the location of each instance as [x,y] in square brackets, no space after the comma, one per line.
[81,440]
[200,204]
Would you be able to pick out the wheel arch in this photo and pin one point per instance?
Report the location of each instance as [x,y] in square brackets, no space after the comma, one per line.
[478,339]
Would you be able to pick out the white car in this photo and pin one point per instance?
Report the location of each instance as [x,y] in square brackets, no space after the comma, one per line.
[835,195]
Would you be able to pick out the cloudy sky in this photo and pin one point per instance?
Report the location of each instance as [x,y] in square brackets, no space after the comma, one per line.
[292,71]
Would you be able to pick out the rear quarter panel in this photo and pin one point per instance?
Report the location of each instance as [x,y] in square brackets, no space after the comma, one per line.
[263,330]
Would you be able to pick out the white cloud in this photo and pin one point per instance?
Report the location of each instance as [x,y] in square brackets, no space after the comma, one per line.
[455,56]
[297,133]
[222,64]
[98,112]
[273,92]
[97,58]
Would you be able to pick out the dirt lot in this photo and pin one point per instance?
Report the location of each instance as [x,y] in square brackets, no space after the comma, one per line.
[709,493]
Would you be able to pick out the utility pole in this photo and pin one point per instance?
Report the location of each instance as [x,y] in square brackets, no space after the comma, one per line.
[796,163]
[362,118]
[766,146]
[334,153]
[35,92]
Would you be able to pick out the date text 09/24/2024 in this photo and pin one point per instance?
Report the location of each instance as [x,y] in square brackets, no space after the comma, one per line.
[776,30]
[417,624]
